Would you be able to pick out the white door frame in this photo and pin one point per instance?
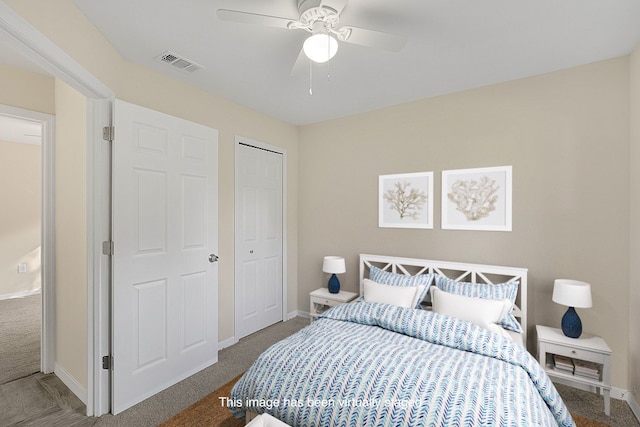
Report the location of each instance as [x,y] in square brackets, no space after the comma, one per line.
[47,236]
[247,141]
[35,46]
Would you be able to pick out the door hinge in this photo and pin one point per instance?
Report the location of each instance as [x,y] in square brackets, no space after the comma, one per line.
[108,133]
[107,247]
[107,362]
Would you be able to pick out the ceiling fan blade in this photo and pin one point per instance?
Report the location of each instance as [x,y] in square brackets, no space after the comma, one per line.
[253,18]
[337,5]
[301,64]
[377,39]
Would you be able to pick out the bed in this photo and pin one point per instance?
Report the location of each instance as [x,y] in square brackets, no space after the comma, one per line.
[387,361]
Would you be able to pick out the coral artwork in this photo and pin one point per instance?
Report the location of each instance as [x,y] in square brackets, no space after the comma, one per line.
[476,199]
[407,201]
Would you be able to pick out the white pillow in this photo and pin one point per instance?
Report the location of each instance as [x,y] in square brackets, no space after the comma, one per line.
[266,420]
[402,296]
[484,312]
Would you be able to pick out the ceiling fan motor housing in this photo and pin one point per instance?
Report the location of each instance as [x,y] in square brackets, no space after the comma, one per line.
[304,5]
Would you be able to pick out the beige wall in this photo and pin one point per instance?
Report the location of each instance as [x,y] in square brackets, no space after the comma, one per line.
[634,253]
[71,232]
[20,192]
[24,89]
[565,134]
[62,23]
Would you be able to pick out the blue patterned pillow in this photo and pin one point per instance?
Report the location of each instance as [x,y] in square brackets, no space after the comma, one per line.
[507,290]
[388,278]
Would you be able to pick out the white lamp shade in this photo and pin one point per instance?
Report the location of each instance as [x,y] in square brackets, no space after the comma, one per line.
[572,293]
[333,265]
[320,47]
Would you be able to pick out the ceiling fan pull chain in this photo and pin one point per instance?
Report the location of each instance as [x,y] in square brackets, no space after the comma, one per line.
[310,77]
[329,62]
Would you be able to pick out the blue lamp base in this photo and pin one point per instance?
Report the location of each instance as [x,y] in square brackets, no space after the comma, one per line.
[571,324]
[334,284]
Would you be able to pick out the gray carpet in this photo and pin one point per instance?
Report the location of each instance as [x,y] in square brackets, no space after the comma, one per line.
[591,405]
[19,337]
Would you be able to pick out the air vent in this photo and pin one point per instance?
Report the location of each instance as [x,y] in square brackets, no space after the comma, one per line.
[179,62]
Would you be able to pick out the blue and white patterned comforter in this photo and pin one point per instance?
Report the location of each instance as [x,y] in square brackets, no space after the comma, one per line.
[367,364]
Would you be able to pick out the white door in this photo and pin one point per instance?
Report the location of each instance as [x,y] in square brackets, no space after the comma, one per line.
[259,263]
[165,226]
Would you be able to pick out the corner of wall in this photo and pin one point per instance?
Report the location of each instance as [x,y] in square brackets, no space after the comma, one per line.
[634,227]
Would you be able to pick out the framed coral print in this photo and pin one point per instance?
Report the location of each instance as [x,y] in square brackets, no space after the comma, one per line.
[477,199]
[406,200]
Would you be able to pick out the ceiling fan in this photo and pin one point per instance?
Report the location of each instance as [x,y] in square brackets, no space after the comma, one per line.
[321,18]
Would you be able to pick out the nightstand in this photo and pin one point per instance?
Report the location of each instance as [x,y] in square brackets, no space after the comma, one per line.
[322,300]
[573,353]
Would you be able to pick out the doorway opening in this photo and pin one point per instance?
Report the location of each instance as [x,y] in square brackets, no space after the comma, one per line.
[26,249]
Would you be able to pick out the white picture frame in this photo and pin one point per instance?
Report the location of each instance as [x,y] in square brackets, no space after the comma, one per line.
[406,200]
[477,199]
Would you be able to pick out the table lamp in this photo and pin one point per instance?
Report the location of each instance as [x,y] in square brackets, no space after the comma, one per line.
[333,265]
[571,293]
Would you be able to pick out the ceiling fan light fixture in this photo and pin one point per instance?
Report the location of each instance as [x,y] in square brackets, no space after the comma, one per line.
[320,47]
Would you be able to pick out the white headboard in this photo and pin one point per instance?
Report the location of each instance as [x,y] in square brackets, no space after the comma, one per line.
[458,271]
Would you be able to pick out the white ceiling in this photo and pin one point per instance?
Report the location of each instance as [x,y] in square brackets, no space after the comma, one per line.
[452,45]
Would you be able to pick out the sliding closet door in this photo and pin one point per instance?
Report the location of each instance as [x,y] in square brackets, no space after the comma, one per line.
[259,238]
[165,275]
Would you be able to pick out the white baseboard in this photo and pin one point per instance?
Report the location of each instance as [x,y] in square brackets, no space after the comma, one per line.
[298,313]
[227,343]
[71,382]
[616,393]
[20,294]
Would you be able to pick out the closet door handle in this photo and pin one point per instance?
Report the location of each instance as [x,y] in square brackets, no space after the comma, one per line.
[213,258]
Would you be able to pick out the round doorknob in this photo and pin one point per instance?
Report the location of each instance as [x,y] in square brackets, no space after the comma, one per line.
[213,257]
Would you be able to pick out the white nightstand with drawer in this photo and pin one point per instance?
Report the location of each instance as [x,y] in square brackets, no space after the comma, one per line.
[587,348]
[322,300]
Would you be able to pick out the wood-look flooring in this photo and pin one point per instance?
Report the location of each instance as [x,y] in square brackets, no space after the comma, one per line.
[41,400]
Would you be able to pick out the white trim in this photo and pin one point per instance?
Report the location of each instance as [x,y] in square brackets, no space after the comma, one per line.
[99,113]
[24,38]
[619,393]
[227,343]
[68,380]
[298,313]
[43,52]
[238,140]
[20,294]
[48,250]
[47,230]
